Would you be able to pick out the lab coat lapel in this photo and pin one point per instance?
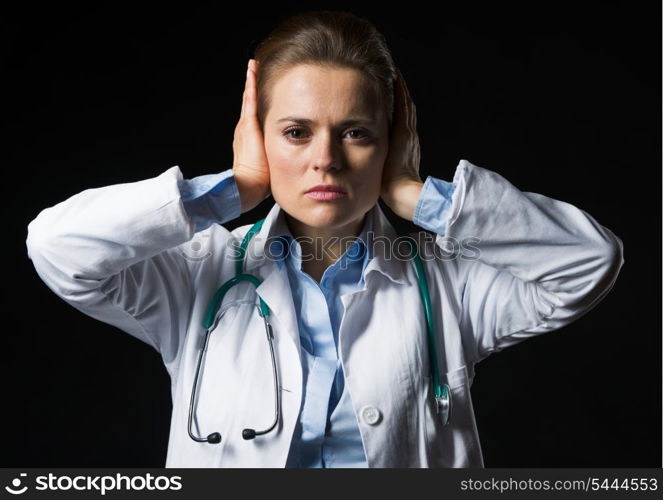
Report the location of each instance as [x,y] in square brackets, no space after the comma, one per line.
[275,291]
[388,253]
[384,260]
[275,287]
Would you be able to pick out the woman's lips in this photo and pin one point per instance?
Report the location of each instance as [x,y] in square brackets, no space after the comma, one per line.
[325,195]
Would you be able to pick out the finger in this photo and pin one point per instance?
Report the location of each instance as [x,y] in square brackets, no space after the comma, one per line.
[399,98]
[404,103]
[246,83]
[406,91]
[245,94]
[251,90]
[409,106]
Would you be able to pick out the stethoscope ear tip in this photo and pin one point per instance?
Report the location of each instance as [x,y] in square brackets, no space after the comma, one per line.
[214,438]
[248,434]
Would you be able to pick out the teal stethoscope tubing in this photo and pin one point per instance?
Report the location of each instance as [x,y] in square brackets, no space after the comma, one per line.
[442,392]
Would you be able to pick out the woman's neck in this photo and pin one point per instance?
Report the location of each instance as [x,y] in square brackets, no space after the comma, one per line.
[321,247]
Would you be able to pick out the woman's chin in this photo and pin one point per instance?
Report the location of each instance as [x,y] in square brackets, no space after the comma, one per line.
[322,216]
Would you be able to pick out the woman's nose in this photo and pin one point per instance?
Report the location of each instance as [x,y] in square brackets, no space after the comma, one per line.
[326,154]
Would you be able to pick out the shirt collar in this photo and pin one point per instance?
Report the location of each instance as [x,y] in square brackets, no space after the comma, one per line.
[383,253]
[282,244]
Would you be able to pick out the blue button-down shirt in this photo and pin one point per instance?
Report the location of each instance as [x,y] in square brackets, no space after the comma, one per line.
[327,432]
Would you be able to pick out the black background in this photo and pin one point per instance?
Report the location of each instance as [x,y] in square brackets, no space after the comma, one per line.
[561,101]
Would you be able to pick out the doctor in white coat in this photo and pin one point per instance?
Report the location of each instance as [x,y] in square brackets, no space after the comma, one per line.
[118,254]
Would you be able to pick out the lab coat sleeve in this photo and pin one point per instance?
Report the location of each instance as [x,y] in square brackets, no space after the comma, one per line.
[526,264]
[113,253]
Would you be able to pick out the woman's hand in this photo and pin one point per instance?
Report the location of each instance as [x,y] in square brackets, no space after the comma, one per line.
[401,183]
[250,165]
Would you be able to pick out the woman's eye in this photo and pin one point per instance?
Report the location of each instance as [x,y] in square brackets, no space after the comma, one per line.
[289,131]
[358,131]
[359,134]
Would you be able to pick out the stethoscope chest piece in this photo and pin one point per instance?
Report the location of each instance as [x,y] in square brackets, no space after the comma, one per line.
[443,405]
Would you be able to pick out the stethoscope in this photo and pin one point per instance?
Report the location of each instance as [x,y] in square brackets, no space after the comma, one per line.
[442,393]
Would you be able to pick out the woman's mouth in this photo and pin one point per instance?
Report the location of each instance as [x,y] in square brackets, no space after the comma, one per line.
[326,192]
[325,195]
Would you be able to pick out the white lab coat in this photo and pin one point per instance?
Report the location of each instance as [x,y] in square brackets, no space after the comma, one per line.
[122,254]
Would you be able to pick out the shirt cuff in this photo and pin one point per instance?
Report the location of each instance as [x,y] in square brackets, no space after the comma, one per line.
[212,198]
[433,207]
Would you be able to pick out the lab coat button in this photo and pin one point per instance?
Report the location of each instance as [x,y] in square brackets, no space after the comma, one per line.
[370,414]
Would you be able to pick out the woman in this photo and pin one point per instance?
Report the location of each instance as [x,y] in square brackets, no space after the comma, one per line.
[324,105]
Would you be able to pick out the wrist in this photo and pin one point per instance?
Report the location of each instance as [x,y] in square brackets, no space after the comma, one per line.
[402,199]
[250,195]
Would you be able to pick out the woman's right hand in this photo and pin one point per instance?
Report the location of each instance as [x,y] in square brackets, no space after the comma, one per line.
[250,165]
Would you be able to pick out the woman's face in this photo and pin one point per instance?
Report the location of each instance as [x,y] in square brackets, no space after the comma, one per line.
[323,149]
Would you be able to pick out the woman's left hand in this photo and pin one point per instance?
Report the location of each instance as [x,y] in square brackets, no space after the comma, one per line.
[401,183]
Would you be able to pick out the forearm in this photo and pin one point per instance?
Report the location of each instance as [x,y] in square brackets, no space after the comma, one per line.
[565,260]
[534,236]
[98,232]
[112,253]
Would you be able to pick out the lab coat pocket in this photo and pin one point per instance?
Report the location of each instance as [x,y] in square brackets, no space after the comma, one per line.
[456,443]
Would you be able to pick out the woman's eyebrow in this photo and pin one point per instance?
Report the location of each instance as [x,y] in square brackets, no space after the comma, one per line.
[307,121]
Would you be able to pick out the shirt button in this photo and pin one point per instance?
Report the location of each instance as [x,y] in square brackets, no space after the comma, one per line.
[370,414]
